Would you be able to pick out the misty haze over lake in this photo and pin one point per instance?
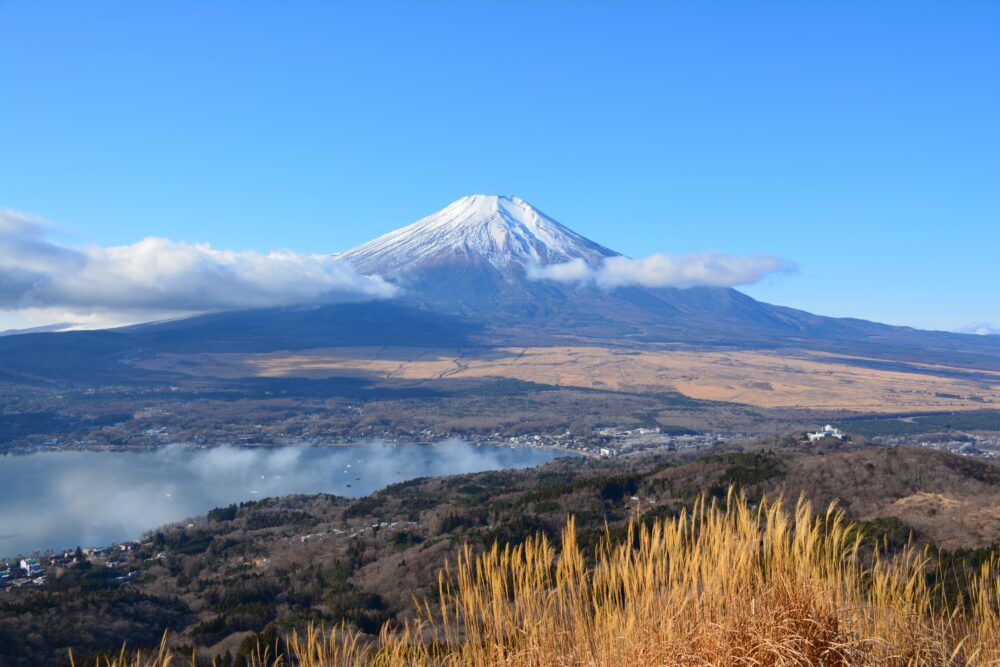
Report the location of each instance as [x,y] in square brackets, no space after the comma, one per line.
[67,498]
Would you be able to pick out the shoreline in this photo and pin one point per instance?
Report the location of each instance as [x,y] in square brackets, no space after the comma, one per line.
[378,477]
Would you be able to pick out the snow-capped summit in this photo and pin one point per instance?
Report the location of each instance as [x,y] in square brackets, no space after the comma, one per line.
[502,231]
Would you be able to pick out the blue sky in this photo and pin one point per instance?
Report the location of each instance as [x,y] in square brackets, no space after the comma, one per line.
[860,140]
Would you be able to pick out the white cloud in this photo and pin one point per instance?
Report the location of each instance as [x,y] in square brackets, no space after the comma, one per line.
[706,269]
[573,271]
[981,329]
[157,277]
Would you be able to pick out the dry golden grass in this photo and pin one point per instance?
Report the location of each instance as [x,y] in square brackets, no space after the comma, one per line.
[765,379]
[725,585]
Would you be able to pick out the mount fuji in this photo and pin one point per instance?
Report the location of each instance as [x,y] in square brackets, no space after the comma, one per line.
[506,233]
[466,278]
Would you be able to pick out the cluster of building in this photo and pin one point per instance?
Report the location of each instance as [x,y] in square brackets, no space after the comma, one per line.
[28,571]
[616,440]
[603,442]
[978,445]
[35,571]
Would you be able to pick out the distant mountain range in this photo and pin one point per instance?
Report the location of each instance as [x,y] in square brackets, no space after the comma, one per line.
[466,279]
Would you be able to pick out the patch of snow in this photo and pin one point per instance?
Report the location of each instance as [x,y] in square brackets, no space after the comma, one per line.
[500,230]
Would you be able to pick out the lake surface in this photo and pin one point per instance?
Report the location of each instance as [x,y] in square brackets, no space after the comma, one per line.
[64,499]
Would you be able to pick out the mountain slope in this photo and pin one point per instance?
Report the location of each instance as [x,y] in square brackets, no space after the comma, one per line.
[473,259]
[105,355]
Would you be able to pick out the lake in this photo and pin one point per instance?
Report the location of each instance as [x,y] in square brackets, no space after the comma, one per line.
[58,500]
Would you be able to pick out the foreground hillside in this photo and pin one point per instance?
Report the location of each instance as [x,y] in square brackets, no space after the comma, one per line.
[726,584]
[267,567]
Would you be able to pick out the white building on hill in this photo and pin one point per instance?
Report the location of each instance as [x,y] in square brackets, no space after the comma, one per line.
[827,432]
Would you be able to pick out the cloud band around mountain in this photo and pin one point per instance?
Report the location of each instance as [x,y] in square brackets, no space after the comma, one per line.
[157,277]
[981,329]
[706,269]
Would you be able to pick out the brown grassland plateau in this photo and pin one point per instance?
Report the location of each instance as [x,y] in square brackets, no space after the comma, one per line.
[789,379]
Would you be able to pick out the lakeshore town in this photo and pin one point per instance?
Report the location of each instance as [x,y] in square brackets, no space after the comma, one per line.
[123,561]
